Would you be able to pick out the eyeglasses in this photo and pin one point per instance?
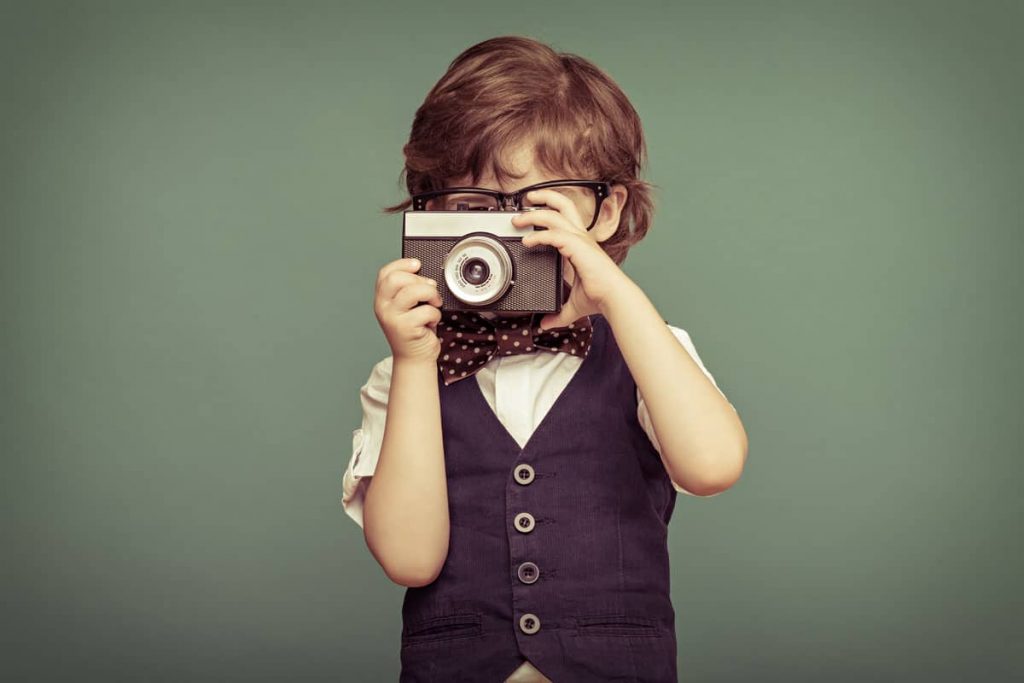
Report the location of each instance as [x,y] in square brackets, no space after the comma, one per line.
[588,193]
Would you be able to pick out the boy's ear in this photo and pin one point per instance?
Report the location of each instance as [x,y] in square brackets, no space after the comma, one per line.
[611,210]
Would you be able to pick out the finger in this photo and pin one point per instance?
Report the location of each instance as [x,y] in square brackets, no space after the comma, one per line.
[413,294]
[548,218]
[559,239]
[423,316]
[396,280]
[559,202]
[409,265]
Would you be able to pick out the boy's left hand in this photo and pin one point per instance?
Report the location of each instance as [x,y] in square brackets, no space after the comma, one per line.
[597,278]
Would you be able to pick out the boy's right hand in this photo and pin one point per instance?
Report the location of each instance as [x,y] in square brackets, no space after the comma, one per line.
[409,325]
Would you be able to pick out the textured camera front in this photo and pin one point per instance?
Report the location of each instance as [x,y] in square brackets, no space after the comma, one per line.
[537,273]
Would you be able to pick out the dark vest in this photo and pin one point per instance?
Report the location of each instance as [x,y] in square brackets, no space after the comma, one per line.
[558,551]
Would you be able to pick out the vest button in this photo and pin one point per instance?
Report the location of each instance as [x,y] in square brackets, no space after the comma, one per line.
[529,623]
[524,474]
[524,522]
[528,572]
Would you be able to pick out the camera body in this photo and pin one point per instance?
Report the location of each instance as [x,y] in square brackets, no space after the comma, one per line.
[479,262]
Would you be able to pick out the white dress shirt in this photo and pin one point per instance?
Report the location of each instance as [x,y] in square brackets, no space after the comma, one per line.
[520,389]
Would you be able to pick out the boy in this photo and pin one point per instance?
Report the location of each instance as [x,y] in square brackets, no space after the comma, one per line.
[520,484]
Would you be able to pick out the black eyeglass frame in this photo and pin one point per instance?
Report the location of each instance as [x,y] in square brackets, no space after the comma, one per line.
[601,189]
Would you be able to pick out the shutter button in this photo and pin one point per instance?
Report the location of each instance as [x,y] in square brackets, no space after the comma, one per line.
[529,623]
[524,474]
[528,572]
[524,522]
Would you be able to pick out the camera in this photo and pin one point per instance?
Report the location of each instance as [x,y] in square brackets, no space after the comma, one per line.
[479,262]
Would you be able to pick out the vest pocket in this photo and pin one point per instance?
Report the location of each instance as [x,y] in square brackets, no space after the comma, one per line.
[441,628]
[617,625]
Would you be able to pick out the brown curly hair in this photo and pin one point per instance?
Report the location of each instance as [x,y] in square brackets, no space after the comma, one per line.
[511,90]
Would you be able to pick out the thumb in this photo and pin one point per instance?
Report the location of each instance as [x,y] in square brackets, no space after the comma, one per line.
[560,319]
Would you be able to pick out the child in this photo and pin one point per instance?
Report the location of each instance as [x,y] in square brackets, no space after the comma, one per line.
[514,483]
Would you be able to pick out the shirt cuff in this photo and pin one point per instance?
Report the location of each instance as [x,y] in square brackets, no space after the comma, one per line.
[353,485]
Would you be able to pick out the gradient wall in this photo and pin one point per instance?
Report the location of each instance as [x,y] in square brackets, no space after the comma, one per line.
[189,201]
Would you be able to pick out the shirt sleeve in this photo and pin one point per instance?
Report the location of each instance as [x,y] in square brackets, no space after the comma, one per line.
[366,440]
[643,415]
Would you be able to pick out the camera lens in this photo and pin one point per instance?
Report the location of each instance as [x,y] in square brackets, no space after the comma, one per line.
[475,270]
[478,269]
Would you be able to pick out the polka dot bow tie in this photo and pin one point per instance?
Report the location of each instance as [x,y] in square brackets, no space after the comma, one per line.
[469,340]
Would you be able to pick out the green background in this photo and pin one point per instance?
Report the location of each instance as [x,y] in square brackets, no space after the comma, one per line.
[190,237]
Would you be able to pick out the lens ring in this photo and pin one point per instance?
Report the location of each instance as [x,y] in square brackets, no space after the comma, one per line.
[497,260]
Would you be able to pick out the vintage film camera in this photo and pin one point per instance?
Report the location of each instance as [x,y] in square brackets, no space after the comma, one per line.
[479,262]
